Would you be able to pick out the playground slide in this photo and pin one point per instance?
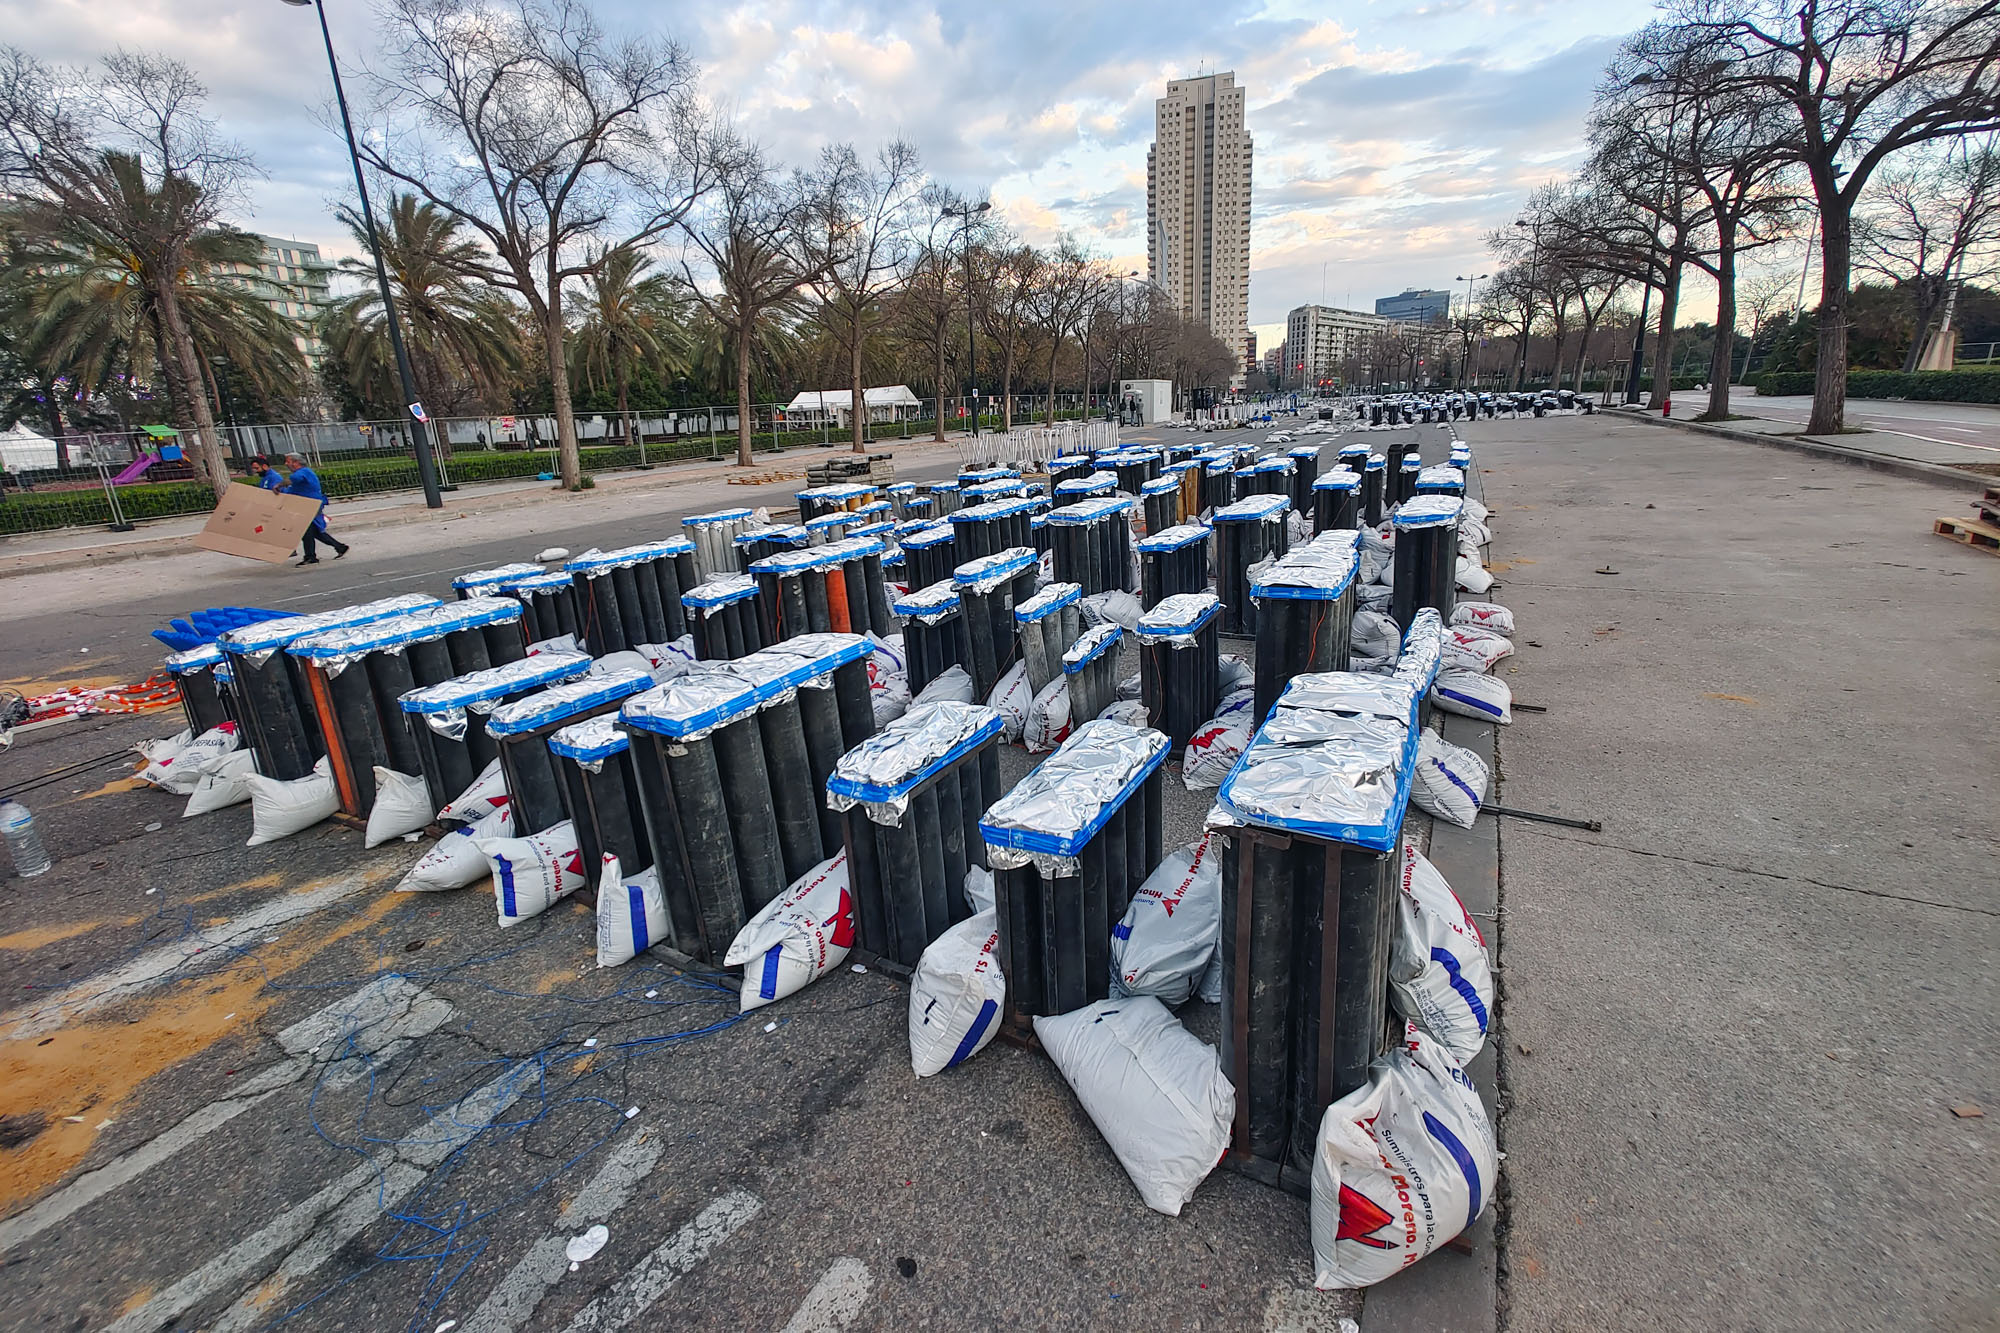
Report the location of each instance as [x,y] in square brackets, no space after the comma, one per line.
[135,469]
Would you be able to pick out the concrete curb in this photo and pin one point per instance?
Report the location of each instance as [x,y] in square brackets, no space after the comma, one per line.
[1935,473]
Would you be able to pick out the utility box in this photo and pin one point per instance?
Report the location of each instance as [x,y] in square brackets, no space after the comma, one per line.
[1144,402]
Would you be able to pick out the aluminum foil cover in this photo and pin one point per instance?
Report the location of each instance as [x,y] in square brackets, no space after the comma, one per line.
[1050,814]
[1091,510]
[1092,644]
[1095,483]
[538,583]
[566,700]
[257,642]
[692,706]
[715,594]
[591,741]
[1255,509]
[928,535]
[993,509]
[335,650]
[1333,760]
[1317,571]
[1423,649]
[194,659]
[480,578]
[772,532]
[1174,538]
[1047,601]
[974,476]
[443,706]
[836,493]
[1160,486]
[1176,620]
[879,775]
[1440,474]
[1429,511]
[990,571]
[927,606]
[1340,479]
[719,516]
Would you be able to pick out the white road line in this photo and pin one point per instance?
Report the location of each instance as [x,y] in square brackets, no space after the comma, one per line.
[649,1279]
[834,1300]
[93,993]
[310,1231]
[375,1023]
[513,1301]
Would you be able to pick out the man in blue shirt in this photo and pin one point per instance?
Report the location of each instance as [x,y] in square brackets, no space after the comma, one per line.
[304,481]
[267,476]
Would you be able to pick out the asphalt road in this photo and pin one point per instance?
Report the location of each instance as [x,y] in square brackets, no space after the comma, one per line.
[1972,428]
[252,1087]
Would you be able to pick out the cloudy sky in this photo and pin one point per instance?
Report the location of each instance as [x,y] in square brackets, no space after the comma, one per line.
[1390,134]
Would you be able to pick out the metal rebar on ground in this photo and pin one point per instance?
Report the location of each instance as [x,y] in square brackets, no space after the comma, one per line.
[447,719]
[907,796]
[1308,905]
[1047,839]
[1305,614]
[1247,533]
[1178,664]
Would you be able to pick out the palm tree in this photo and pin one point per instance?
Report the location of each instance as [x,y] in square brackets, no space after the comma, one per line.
[462,337]
[632,319]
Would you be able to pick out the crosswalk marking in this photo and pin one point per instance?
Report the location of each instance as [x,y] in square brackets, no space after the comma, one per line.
[834,1300]
[309,1232]
[650,1278]
[513,1301]
[376,1022]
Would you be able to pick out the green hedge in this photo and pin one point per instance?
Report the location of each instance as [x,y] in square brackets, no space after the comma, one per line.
[1937,386]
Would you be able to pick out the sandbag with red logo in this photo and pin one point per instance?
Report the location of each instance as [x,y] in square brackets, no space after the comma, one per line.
[1439,972]
[800,934]
[534,873]
[1404,1163]
[956,995]
[487,793]
[1168,934]
[631,913]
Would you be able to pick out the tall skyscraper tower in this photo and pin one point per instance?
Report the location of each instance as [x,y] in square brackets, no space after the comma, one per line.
[1198,205]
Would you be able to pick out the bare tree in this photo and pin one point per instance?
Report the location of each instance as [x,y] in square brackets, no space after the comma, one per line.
[557,142]
[124,155]
[1004,283]
[933,295]
[1061,300]
[1934,225]
[858,239]
[747,234]
[1862,79]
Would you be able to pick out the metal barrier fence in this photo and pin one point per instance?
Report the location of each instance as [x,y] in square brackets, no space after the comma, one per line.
[114,479]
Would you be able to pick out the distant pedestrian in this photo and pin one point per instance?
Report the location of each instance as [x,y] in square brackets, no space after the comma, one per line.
[304,481]
[267,476]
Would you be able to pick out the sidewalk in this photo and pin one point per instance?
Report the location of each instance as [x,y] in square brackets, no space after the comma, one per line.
[72,547]
[1908,456]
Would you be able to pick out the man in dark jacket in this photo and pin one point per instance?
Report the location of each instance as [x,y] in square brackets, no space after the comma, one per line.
[304,481]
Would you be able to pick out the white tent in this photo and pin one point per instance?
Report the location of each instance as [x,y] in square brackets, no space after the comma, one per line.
[23,449]
[892,402]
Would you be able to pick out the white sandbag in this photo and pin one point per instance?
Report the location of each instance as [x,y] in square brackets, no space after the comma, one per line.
[797,936]
[456,860]
[1114,607]
[1211,980]
[487,793]
[1012,697]
[555,643]
[886,658]
[1128,688]
[1048,718]
[1375,555]
[166,748]
[1375,597]
[1475,511]
[222,785]
[979,889]
[402,805]
[1299,528]
[1374,638]
[1213,750]
[179,771]
[1472,535]
[1168,935]
[1130,712]
[670,660]
[1469,648]
[1233,673]
[1484,615]
[1403,1164]
[625,660]
[1237,705]
[280,809]
[1450,781]
[953,685]
[1473,694]
[955,995]
[631,913]
[1472,576]
[1439,971]
[534,873]
[889,700]
[1154,1090]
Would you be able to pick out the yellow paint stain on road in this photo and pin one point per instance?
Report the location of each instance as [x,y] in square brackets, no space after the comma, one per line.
[91,1069]
[547,983]
[136,1299]
[36,937]
[1735,699]
[30,686]
[111,788]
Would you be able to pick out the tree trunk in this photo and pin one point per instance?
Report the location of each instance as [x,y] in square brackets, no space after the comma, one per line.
[1723,363]
[1829,409]
[1054,353]
[937,426]
[209,464]
[743,394]
[860,400]
[1007,392]
[569,459]
[624,414]
[1663,349]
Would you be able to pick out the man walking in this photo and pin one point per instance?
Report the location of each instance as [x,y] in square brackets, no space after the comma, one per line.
[267,476]
[304,481]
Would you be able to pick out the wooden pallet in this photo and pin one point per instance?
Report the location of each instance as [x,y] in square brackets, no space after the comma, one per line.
[1981,535]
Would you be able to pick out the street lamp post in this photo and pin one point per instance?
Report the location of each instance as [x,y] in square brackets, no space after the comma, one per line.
[965,213]
[419,426]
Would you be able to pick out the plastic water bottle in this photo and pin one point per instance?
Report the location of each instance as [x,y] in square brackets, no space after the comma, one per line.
[24,840]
